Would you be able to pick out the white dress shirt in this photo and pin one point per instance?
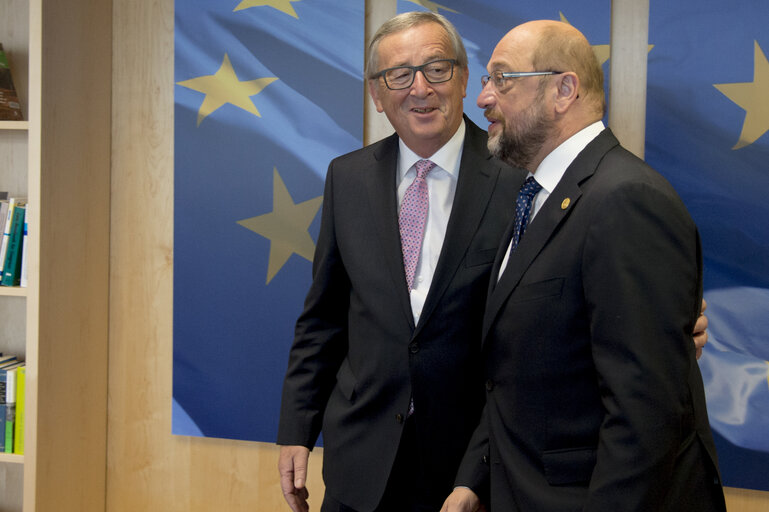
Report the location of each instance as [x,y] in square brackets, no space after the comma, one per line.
[441,188]
[552,168]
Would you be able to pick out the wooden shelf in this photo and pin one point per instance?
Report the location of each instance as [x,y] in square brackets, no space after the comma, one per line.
[14,125]
[12,291]
[11,458]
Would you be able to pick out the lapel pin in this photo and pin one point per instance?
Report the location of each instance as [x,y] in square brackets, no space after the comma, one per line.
[565,204]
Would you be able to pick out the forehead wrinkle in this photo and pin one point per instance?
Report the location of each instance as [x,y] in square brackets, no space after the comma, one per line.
[403,49]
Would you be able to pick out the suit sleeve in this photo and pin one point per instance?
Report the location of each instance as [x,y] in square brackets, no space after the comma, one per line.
[320,338]
[474,469]
[642,275]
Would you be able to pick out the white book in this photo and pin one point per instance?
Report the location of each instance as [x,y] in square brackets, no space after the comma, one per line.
[6,232]
[23,281]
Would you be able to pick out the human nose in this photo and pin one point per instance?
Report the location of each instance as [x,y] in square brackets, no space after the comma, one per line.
[486,97]
[420,86]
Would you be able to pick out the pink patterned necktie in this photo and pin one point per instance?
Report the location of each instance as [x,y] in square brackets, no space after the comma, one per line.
[412,219]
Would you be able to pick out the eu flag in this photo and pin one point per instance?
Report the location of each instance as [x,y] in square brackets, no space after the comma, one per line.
[267,93]
[707,122]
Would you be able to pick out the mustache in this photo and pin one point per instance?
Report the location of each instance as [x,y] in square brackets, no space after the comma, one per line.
[492,115]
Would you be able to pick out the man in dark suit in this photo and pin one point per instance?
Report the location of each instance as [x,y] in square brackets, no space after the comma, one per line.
[369,348]
[594,397]
[391,371]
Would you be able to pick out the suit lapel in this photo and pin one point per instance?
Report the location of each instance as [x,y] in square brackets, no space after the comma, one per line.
[384,208]
[477,178]
[554,212]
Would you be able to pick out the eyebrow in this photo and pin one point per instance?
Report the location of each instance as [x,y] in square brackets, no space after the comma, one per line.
[427,59]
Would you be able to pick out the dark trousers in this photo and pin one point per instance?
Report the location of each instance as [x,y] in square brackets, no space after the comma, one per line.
[404,491]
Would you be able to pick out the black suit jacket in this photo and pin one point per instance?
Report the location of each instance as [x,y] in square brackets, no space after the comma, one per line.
[357,356]
[594,397]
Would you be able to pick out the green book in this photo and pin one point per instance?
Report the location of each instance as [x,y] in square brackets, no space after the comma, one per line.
[12,265]
[8,374]
[18,432]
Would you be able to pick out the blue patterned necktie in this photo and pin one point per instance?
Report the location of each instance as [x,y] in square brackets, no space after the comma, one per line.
[528,190]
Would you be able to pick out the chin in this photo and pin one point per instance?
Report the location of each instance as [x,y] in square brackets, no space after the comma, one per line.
[494,144]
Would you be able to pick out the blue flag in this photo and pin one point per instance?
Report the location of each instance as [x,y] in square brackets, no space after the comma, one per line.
[707,122]
[267,93]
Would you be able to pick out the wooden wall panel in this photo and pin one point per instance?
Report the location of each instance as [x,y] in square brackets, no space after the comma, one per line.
[69,138]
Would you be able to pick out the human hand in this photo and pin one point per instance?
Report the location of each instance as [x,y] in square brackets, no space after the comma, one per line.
[700,330]
[463,499]
[292,466]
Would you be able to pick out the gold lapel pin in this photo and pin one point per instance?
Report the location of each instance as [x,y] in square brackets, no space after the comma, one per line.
[565,204]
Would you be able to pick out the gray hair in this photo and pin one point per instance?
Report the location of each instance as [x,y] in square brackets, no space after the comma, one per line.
[406,21]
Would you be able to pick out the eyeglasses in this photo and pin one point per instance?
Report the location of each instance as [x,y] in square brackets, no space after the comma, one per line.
[499,78]
[401,77]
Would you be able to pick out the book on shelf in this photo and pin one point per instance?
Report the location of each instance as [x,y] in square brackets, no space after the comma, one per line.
[13,202]
[12,265]
[5,413]
[24,280]
[5,359]
[10,404]
[18,429]
[10,108]
[6,222]
[4,207]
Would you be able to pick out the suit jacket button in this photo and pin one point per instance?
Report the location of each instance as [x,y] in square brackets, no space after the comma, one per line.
[414,348]
[489,385]
[485,459]
[399,418]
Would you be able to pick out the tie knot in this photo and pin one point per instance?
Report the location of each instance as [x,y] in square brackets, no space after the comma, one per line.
[423,167]
[530,187]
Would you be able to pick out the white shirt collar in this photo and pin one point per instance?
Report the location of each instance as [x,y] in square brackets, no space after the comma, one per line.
[552,168]
[447,157]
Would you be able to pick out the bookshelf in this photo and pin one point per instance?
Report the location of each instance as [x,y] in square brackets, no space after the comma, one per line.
[14,178]
[59,159]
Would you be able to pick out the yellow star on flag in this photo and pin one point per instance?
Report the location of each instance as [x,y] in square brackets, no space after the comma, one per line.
[602,51]
[751,96]
[286,226]
[433,6]
[281,5]
[224,87]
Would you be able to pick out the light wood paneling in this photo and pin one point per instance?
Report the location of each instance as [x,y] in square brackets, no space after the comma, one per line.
[627,72]
[70,79]
[746,500]
[148,468]
[376,125]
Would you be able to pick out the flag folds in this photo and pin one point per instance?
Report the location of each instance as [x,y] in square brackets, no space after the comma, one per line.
[266,94]
[707,122]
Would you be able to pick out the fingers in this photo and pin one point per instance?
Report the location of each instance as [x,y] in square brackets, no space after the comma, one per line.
[292,466]
[462,499]
[700,330]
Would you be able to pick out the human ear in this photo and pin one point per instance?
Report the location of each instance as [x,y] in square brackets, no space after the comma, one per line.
[568,91]
[373,90]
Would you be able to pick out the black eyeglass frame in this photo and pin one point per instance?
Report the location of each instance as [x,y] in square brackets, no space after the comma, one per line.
[485,79]
[414,69]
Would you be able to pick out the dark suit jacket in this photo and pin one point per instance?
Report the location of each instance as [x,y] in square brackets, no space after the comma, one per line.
[357,356]
[594,397]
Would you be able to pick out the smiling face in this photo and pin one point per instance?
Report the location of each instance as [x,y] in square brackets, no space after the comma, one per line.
[425,115]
